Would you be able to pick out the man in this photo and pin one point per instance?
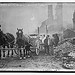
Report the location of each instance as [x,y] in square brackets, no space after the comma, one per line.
[43,38]
[56,39]
[38,42]
[46,45]
[51,44]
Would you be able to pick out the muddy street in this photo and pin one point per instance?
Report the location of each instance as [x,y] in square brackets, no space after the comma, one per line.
[34,63]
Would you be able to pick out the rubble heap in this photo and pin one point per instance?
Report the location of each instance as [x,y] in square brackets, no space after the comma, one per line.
[65,47]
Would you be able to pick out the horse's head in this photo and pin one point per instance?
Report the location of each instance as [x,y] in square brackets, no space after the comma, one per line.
[20,32]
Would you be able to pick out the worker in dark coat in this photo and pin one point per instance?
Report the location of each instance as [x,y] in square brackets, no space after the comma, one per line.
[56,39]
[46,46]
[51,44]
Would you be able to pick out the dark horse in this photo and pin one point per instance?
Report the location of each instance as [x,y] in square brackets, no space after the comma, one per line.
[22,42]
[6,40]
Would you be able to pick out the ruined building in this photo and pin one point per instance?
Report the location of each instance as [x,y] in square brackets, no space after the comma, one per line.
[50,13]
[73,20]
[48,21]
[53,24]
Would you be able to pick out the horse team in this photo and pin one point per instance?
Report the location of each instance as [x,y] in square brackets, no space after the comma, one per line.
[23,43]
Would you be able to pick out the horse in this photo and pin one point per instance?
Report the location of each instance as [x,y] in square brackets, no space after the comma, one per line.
[22,42]
[6,40]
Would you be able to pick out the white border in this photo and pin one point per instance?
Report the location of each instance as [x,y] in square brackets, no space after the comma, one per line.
[37,0]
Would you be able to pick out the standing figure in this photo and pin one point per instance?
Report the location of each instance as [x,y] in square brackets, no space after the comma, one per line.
[51,44]
[46,45]
[38,46]
[43,38]
[56,39]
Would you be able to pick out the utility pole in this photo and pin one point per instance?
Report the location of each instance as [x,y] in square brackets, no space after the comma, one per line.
[73,20]
[38,31]
[46,30]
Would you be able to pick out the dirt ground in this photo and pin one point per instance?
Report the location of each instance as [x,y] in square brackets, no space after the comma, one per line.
[41,62]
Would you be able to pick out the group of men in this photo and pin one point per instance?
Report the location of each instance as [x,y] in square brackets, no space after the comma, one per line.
[49,43]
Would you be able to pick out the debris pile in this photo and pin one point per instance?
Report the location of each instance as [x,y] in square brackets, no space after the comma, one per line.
[66,52]
[65,47]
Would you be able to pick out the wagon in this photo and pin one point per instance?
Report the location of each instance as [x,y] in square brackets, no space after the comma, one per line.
[35,43]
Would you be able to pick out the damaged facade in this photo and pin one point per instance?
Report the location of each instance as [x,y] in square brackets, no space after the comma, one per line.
[53,24]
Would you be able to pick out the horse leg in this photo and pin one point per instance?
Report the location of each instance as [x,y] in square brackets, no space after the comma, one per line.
[28,52]
[8,51]
[4,51]
[12,51]
[20,54]
[24,52]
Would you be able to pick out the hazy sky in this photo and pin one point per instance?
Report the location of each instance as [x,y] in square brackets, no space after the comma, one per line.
[68,10]
[29,16]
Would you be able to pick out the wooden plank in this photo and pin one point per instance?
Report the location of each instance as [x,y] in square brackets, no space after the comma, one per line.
[10,48]
[32,48]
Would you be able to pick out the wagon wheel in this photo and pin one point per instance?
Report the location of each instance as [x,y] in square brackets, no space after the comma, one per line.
[37,51]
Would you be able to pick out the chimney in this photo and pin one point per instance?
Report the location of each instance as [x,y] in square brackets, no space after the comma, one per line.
[46,30]
[38,30]
[73,20]
[59,14]
[50,13]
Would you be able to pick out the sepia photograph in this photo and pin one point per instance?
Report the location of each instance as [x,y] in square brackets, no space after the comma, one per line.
[37,36]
